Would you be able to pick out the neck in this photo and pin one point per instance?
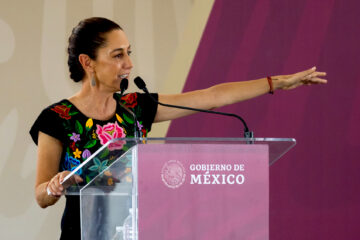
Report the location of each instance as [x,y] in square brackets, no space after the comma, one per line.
[94,102]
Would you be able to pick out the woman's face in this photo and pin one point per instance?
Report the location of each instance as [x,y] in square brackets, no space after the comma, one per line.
[113,61]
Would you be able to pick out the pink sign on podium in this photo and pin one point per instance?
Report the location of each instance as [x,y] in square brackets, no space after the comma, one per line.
[203,191]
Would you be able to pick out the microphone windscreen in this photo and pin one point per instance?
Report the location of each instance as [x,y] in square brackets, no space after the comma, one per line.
[124,84]
[139,83]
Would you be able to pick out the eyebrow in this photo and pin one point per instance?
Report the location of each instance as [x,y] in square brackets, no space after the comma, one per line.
[119,49]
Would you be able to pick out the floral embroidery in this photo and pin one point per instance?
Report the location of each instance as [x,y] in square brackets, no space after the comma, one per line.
[130,100]
[86,154]
[98,166]
[85,135]
[71,163]
[128,119]
[119,118]
[91,143]
[144,132]
[140,126]
[110,181]
[128,179]
[94,136]
[77,153]
[78,127]
[73,146]
[62,110]
[75,137]
[89,123]
[108,132]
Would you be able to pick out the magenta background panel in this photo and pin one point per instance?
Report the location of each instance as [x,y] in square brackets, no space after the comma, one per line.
[314,189]
[204,211]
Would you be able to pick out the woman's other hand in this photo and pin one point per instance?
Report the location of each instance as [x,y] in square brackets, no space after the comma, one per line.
[307,77]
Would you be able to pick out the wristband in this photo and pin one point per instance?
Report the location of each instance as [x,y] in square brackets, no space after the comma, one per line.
[271,91]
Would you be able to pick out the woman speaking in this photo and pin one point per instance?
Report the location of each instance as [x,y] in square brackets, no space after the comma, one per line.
[69,131]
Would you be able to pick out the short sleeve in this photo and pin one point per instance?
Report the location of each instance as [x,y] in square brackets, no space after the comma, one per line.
[149,109]
[47,122]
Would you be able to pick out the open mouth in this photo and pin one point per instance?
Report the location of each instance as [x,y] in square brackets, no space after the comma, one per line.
[123,76]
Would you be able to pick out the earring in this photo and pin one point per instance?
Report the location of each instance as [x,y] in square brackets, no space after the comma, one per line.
[93,82]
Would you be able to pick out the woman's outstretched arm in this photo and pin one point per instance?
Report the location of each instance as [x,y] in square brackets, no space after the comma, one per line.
[232,92]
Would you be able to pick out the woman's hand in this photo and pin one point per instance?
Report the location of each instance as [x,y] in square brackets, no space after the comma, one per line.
[56,188]
[307,77]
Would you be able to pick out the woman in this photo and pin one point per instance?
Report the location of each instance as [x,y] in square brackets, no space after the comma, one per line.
[71,130]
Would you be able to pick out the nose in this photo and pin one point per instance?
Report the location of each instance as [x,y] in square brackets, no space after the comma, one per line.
[128,63]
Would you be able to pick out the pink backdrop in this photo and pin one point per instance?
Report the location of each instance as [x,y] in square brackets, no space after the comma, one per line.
[314,189]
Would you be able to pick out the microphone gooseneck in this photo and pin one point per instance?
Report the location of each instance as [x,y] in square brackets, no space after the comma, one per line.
[123,86]
[141,85]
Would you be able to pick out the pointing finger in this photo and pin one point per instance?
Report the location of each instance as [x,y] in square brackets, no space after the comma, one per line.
[307,72]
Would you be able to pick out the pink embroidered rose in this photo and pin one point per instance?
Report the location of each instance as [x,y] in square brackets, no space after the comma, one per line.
[108,132]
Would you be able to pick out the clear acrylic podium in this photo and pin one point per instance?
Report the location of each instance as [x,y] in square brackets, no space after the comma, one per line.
[177,188]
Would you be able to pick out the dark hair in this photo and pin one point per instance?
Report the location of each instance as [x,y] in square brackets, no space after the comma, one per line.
[86,38]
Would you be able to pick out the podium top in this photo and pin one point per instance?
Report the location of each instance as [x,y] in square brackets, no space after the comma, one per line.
[119,153]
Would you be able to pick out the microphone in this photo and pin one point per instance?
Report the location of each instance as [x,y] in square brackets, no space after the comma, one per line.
[141,85]
[123,86]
